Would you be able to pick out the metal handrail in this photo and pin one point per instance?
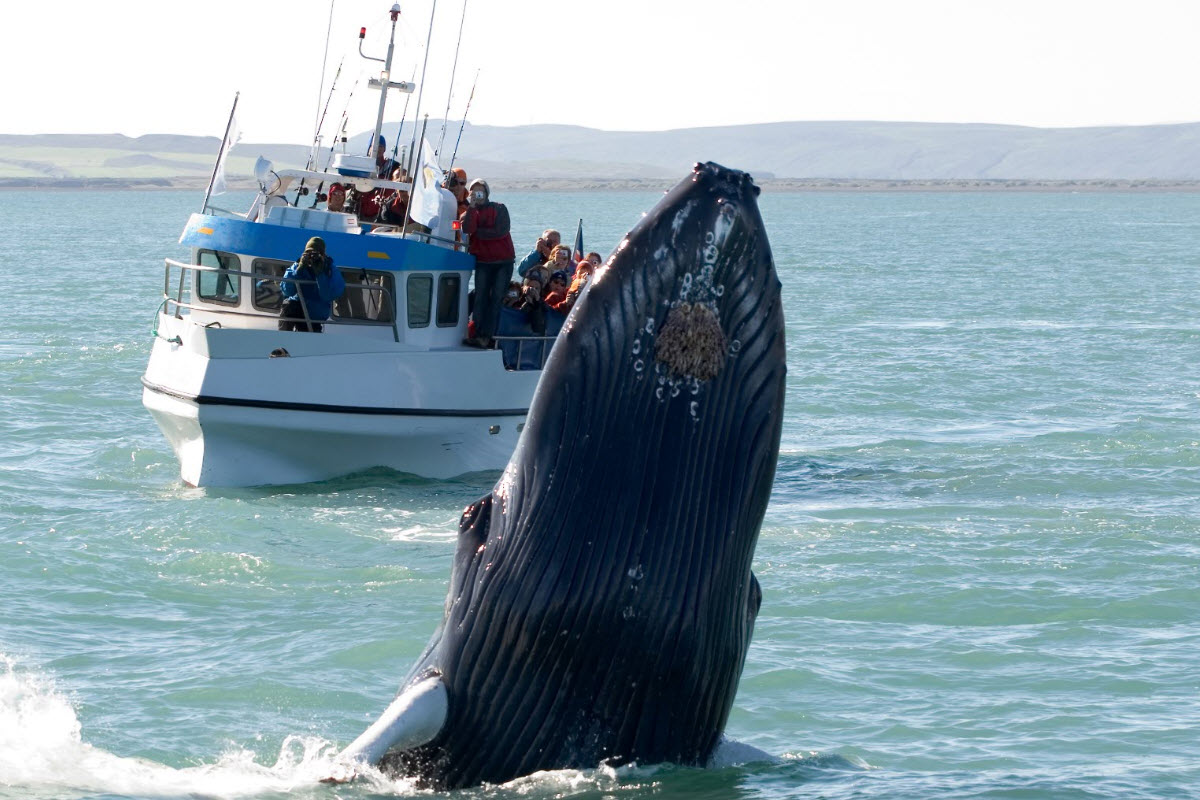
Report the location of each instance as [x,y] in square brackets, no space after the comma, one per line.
[547,343]
[389,227]
[180,304]
[455,244]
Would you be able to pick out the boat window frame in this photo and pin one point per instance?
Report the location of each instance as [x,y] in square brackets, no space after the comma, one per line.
[221,271]
[384,283]
[408,299]
[445,320]
[257,277]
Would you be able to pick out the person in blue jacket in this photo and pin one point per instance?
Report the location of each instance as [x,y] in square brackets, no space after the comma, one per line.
[309,288]
[540,253]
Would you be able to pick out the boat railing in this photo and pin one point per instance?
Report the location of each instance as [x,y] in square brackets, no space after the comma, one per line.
[524,352]
[177,297]
[389,229]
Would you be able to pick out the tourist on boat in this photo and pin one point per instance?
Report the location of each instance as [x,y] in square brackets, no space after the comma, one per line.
[456,182]
[512,297]
[384,166]
[396,207]
[540,253]
[309,287]
[537,277]
[336,198]
[556,289]
[583,273]
[560,259]
[370,205]
[536,285]
[487,225]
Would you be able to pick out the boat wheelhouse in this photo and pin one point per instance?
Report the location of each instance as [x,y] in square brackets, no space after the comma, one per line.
[388,383]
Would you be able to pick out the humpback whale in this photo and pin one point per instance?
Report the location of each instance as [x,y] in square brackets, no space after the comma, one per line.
[601,601]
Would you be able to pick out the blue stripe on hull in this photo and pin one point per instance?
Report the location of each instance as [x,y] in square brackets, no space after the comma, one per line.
[348,250]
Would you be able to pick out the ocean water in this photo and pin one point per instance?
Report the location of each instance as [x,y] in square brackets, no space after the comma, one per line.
[979,566]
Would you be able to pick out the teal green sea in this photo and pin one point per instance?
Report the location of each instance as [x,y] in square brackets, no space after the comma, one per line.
[979,566]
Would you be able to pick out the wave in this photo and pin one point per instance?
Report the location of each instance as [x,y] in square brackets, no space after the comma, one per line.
[43,755]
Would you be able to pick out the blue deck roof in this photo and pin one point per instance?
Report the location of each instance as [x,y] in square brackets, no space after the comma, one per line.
[347,249]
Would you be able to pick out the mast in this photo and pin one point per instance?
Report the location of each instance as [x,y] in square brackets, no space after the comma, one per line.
[384,81]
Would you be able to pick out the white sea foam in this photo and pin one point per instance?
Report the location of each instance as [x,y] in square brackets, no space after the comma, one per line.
[43,754]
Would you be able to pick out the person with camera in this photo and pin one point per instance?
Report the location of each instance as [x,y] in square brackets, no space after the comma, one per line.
[534,288]
[309,287]
[540,253]
[583,273]
[486,223]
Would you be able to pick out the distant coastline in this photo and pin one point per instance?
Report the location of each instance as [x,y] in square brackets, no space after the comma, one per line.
[783,157]
[770,185]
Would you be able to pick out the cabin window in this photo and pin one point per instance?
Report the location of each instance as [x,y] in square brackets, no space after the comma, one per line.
[267,272]
[221,285]
[420,300]
[370,295]
[449,287]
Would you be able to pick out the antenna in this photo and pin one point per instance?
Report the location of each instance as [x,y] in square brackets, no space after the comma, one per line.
[384,81]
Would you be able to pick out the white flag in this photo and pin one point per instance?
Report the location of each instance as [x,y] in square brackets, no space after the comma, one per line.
[231,138]
[425,200]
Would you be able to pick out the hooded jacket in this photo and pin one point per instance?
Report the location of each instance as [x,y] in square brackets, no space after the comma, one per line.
[488,227]
[319,296]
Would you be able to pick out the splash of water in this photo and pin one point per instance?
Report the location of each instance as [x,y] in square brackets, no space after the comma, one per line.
[43,754]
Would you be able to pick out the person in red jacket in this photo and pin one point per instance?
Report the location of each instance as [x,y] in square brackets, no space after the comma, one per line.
[487,225]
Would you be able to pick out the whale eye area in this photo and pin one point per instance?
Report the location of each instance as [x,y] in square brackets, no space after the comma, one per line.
[691,342]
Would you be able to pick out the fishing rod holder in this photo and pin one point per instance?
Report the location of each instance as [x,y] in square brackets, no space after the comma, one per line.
[402,86]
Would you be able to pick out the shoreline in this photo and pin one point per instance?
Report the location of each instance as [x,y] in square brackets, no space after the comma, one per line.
[769,185]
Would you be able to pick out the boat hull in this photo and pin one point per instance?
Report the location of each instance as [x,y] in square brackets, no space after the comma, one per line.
[236,417]
[237,445]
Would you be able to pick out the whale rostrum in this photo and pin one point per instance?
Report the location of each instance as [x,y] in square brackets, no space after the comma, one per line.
[601,601]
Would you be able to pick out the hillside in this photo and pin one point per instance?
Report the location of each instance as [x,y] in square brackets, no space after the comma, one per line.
[559,155]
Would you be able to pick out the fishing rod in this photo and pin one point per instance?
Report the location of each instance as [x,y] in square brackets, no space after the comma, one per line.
[333,144]
[312,153]
[403,117]
[421,91]
[324,66]
[453,71]
[321,121]
[466,110]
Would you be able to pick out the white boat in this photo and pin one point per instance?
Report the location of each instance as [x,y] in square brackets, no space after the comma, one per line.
[388,383]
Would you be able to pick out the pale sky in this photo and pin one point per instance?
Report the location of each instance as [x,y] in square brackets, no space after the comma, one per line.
[164,66]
